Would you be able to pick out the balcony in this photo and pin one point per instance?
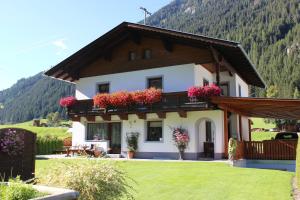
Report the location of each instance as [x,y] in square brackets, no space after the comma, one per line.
[171,102]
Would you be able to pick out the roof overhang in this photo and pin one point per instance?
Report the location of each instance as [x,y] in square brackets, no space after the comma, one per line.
[232,51]
[260,107]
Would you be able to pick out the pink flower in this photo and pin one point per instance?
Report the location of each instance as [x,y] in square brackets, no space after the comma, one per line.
[67,101]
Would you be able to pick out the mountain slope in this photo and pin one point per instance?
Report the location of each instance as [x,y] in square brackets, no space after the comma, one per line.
[268,30]
[33,97]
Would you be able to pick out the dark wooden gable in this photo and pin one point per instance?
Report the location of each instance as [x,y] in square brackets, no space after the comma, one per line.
[161,56]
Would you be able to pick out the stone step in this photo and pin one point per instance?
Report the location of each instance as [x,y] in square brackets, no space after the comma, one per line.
[114,155]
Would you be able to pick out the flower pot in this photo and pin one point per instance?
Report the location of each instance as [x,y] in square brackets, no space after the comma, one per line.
[130,154]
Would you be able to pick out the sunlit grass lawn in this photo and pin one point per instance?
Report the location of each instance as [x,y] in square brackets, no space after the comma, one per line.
[41,131]
[195,180]
[260,136]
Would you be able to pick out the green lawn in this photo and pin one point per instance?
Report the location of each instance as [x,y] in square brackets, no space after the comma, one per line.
[41,131]
[260,123]
[260,136]
[195,180]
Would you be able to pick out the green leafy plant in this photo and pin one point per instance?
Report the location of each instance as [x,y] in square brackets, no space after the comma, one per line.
[48,144]
[17,190]
[93,180]
[132,141]
[232,144]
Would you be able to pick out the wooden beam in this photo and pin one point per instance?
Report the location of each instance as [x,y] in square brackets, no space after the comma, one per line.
[106,117]
[182,114]
[249,126]
[136,37]
[90,118]
[75,118]
[240,128]
[161,115]
[225,133]
[108,55]
[168,44]
[218,74]
[142,115]
[123,116]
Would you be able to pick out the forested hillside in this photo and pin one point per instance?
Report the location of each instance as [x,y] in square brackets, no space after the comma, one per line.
[268,30]
[32,97]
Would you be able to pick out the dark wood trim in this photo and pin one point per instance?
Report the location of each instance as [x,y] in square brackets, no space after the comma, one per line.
[75,118]
[161,115]
[182,114]
[249,126]
[106,117]
[142,116]
[225,117]
[90,118]
[240,128]
[168,44]
[123,116]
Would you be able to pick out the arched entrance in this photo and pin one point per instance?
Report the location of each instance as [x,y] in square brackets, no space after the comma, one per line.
[206,132]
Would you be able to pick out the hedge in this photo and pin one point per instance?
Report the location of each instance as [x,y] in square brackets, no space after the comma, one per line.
[298,163]
[47,145]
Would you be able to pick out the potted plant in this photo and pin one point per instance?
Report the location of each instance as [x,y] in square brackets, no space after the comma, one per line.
[132,143]
[181,139]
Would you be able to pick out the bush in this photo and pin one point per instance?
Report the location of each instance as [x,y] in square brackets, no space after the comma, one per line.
[92,179]
[298,163]
[18,190]
[48,144]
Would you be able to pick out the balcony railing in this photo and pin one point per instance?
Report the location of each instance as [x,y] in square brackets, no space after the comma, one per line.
[171,102]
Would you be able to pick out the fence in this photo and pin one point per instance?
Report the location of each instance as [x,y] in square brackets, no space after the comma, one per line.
[17,153]
[267,150]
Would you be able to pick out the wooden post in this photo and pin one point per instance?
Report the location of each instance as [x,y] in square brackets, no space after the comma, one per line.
[218,73]
[225,133]
[249,126]
[240,127]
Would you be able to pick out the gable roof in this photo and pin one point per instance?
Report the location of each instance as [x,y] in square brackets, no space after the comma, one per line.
[232,51]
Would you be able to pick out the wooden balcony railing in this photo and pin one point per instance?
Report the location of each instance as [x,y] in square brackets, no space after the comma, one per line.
[267,150]
[171,102]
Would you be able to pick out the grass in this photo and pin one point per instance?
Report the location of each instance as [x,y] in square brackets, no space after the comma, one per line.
[194,180]
[41,131]
[260,136]
[260,123]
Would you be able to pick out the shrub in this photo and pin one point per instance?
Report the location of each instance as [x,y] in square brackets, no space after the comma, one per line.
[232,144]
[12,142]
[132,141]
[92,179]
[17,190]
[298,163]
[48,144]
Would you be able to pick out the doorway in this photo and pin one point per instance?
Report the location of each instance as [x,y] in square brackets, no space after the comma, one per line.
[209,140]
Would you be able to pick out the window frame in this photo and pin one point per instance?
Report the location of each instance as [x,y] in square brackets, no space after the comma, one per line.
[155,77]
[102,83]
[101,122]
[144,54]
[146,131]
[227,83]
[129,56]
[205,80]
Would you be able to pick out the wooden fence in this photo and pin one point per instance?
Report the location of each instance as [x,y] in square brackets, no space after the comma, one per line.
[267,150]
[21,163]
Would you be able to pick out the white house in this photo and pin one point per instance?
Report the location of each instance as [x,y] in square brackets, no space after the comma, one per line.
[134,57]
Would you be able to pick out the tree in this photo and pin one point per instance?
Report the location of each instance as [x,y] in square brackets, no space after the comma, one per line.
[53,119]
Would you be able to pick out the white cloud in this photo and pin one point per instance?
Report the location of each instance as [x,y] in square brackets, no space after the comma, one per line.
[60,44]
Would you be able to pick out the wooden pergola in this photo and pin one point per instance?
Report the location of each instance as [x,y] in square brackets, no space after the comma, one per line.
[256,107]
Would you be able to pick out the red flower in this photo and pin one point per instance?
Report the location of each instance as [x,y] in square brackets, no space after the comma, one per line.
[101,100]
[139,97]
[67,101]
[205,91]
[153,95]
[120,99]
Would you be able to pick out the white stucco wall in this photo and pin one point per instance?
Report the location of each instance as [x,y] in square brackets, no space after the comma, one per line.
[175,78]
[201,73]
[194,123]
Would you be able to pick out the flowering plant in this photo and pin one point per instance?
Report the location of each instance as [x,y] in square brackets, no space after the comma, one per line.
[181,139]
[67,101]
[139,97]
[102,100]
[12,143]
[119,99]
[153,95]
[204,91]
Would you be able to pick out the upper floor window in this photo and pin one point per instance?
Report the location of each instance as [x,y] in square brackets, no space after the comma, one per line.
[154,131]
[224,89]
[103,88]
[147,54]
[155,82]
[132,56]
[205,82]
[240,90]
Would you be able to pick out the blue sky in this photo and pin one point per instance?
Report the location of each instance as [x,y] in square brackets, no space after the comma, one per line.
[36,35]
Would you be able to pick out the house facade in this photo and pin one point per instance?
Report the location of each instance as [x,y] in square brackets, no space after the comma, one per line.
[134,57]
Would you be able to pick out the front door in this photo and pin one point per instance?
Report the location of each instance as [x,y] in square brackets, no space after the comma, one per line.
[209,141]
[115,137]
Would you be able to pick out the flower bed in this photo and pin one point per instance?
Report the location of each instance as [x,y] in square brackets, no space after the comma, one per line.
[124,98]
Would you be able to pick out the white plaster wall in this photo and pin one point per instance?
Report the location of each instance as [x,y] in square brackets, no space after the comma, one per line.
[202,73]
[243,84]
[175,78]
[192,123]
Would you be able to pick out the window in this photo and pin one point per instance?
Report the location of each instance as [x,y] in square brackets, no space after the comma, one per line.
[154,131]
[155,82]
[97,131]
[147,54]
[132,56]
[103,88]
[225,89]
[205,82]
[240,91]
